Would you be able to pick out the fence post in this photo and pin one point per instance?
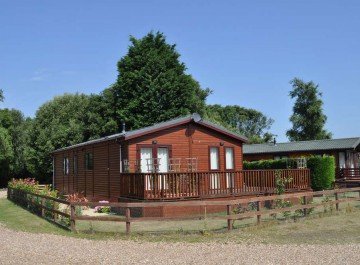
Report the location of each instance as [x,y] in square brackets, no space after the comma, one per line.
[336,199]
[127,215]
[258,208]
[42,207]
[305,203]
[229,221]
[72,218]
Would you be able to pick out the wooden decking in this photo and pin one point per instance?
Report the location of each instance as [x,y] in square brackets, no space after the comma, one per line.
[190,185]
[348,177]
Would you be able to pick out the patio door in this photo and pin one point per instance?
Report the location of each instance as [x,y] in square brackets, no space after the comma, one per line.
[214,165]
[146,166]
[342,160]
[163,156]
[229,166]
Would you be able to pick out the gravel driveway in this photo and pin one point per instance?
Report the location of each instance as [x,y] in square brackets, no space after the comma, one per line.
[28,248]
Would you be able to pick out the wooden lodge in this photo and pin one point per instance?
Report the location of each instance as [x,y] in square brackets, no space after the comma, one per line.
[184,158]
[346,152]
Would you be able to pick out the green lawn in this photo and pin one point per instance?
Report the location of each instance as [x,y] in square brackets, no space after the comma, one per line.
[320,228]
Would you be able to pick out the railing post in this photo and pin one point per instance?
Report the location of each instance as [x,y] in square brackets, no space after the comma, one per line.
[258,208]
[229,221]
[305,203]
[336,199]
[72,218]
[127,216]
[42,207]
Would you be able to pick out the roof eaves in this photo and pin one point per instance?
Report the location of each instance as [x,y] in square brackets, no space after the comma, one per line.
[223,130]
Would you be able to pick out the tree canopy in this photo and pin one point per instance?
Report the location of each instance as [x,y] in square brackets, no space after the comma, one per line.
[152,84]
[249,122]
[66,120]
[308,119]
[1,95]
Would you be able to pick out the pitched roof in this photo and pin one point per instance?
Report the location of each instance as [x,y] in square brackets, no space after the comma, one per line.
[315,145]
[196,118]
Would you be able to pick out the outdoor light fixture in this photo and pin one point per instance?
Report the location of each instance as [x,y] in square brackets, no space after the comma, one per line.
[222,143]
[154,142]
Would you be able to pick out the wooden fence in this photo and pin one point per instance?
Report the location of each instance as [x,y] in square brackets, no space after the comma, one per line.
[45,206]
[27,200]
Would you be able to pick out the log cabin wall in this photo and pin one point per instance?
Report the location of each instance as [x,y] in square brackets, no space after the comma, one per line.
[190,140]
[103,181]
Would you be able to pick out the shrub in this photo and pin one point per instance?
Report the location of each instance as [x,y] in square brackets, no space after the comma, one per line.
[322,170]
[271,164]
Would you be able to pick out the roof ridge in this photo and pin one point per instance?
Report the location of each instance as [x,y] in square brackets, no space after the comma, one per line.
[318,140]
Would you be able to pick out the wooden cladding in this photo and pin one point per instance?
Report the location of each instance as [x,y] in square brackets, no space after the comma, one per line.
[97,172]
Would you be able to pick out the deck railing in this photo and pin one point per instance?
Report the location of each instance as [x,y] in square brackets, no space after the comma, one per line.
[179,185]
[349,173]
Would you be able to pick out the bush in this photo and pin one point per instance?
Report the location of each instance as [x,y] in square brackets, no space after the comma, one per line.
[271,164]
[322,170]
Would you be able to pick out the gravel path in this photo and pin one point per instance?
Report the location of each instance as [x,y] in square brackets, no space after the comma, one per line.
[28,248]
[2,193]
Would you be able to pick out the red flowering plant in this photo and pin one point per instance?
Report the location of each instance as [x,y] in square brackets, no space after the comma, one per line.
[28,184]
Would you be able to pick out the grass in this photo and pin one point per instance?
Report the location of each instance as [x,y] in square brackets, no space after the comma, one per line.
[320,228]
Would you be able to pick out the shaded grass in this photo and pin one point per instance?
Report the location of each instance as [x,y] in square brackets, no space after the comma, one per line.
[320,228]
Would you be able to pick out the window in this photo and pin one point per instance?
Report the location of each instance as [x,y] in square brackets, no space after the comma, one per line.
[229,158]
[66,166]
[146,155]
[75,168]
[89,161]
[214,158]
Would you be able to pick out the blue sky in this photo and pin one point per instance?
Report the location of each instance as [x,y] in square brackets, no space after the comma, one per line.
[246,51]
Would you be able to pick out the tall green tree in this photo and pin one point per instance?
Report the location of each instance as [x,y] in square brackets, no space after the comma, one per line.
[6,156]
[66,120]
[308,118]
[16,125]
[249,122]
[152,84]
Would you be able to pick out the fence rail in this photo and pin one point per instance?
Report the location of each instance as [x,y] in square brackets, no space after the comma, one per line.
[14,195]
[180,185]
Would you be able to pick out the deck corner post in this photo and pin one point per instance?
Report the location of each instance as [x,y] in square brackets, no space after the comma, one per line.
[336,199]
[42,207]
[127,216]
[258,208]
[305,203]
[229,220]
[72,218]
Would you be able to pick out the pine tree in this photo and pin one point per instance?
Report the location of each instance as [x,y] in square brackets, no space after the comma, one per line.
[308,119]
[153,86]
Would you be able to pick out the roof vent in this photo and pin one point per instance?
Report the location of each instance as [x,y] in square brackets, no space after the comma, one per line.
[274,141]
[123,127]
[196,117]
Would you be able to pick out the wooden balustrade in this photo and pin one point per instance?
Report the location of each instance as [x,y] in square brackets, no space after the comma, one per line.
[178,185]
[349,173]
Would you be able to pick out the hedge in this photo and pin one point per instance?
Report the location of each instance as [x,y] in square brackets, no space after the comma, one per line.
[271,164]
[322,169]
